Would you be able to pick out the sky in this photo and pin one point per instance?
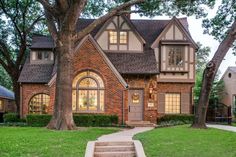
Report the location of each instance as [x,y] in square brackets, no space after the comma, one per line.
[196,30]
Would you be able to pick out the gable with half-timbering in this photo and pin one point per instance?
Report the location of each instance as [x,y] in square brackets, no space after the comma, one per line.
[118,34]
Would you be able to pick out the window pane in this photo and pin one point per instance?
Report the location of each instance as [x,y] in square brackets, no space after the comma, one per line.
[98,78]
[113,37]
[175,55]
[1,105]
[93,100]
[123,37]
[101,100]
[39,55]
[46,55]
[172,103]
[83,101]
[88,83]
[74,100]
[39,104]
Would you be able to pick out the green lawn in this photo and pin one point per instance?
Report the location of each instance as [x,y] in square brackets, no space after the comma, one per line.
[40,142]
[182,141]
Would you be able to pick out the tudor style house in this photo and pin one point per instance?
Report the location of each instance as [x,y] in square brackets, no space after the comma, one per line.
[136,69]
[228,96]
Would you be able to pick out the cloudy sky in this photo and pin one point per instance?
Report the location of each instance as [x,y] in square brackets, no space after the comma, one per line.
[196,30]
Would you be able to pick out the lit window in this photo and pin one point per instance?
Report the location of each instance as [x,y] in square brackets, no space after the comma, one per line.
[88,92]
[113,37]
[39,104]
[175,55]
[123,37]
[1,105]
[172,103]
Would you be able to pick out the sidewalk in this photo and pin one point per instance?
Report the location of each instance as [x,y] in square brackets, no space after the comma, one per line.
[222,127]
[125,135]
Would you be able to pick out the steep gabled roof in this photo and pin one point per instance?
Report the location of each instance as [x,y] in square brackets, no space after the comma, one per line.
[37,73]
[231,68]
[149,30]
[5,93]
[183,26]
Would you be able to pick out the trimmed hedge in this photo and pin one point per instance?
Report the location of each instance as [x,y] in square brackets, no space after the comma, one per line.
[11,118]
[178,118]
[38,120]
[80,120]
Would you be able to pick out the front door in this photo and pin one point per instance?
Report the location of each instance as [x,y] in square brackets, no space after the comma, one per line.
[135,110]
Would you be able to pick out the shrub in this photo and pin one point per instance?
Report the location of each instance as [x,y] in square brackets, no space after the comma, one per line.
[175,119]
[38,120]
[11,118]
[80,120]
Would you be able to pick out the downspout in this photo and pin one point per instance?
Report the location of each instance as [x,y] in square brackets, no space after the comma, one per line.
[123,105]
[21,106]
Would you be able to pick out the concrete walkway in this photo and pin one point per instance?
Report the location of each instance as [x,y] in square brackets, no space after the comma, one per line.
[222,127]
[125,135]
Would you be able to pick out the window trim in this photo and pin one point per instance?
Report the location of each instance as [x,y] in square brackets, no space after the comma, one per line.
[98,89]
[30,112]
[118,43]
[179,102]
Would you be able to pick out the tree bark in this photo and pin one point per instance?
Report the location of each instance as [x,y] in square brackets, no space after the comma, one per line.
[209,75]
[62,118]
[16,89]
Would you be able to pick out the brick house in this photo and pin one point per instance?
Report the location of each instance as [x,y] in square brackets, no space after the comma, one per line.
[7,102]
[136,69]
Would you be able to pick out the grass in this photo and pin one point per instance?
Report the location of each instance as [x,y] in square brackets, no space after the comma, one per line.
[183,141]
[40,142]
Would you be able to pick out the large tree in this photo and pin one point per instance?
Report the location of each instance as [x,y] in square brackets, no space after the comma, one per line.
[223,28]
[62,16]
[17,23]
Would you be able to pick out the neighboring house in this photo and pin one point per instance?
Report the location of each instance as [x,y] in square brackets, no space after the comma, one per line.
[136,69]
[229,94]
[7,101]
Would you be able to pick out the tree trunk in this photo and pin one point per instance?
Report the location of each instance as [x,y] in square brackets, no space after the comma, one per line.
[209,75]
[62,118]
[16,89]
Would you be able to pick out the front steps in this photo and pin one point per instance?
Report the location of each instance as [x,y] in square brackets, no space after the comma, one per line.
[140,124]
[114,149]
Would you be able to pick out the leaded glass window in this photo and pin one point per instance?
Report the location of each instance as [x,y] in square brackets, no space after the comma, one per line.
[39,104]
[88,93]
[175,55]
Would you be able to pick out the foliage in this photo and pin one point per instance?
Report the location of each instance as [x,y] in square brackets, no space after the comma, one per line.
[80,120]
[175,119]
[11,118]
[219,25]
[5,79]
[182,141]
[28,141]
[218,85]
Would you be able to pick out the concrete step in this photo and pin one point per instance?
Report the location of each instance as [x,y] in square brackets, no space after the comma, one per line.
[115,154]
[114,148]
[118,143]
[140,124]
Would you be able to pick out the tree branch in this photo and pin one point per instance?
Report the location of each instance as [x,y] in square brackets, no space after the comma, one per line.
[51,25]
[47,6]
[11,18]
[104,18]
[33,24]
[5,52]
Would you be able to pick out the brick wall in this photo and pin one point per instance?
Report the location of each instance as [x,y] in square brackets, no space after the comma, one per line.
[28,91]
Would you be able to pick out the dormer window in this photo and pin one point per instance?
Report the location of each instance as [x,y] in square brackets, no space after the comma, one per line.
[113,37]
[175,55]
[42,56]
[123,37]
[116,37]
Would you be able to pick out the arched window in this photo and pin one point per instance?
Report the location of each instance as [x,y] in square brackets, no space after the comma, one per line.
[88,93]
[39,104]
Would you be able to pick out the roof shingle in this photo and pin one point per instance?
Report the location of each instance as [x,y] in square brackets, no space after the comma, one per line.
[5,93]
